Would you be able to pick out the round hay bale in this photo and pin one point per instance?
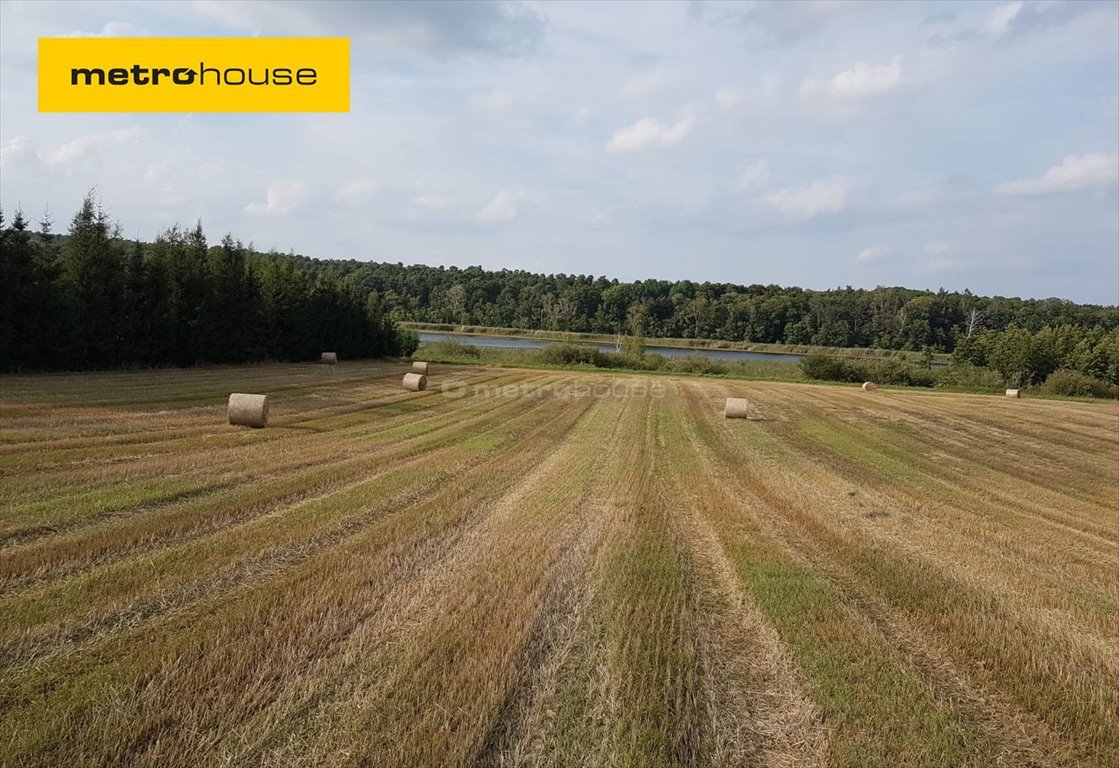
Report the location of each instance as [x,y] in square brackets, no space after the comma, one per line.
[1013,393]
[418,367]
[330,358]
[415,382]
[736,408]
[248,410]
[869,386]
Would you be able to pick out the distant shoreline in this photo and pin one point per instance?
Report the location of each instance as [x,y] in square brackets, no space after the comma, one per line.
[570,337]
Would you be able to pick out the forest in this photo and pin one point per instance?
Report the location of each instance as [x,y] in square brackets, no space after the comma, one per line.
[884,317]
[91,299]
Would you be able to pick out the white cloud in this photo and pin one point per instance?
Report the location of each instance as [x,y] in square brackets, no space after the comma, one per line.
[429,201]
[1002,17]
[874,253]
[819,198]
[579,117]
[864,80]
[430,141]
[356,191]
[811,86]
[728,99]
[426,209]
[495,101]
[83,145]
[649,84]
[160,177]
[282,197]
[755,177]
[649,133]
[465,26]
[111,29]
[766,23]
[925,194]
[940,257]
[1074,173]
[1016,19]
[501,208]
[15,147]
[155,174]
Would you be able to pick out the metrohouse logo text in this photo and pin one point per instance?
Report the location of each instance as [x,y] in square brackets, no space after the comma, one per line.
[194,74]
[139,75]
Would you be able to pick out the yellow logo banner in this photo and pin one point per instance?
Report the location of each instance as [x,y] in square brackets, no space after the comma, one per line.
[199,74]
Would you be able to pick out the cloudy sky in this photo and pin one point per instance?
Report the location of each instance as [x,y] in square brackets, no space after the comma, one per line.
[820,144]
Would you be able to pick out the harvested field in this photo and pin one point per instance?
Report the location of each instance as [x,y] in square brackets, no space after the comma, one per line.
[541,568]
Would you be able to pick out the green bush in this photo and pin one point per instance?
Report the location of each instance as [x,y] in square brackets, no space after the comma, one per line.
[646,362]
[971,351]
[577,354]
[406,342]
[890,370]
[971,377]
[634,346]
[893,370]
[828,368]
[1075,384]
[452,349]
[611,360]
[696,364]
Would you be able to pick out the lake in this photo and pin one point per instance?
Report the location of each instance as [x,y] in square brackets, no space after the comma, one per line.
[508,342]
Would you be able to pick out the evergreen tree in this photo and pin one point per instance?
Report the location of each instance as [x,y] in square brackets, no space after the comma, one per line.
[93,280]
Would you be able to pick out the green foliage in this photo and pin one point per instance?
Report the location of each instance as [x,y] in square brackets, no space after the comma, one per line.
[828,368]
[581,356]
[407,342]
[575,354]
[891,370]
[32,312]
[927,357]
[697,364]
[1076,384]
[92,282]
[633,345]
[967,376]
[101,302]
[970,350]
[1016,356]
[451,350]
[1023,358]
[885,318]
[1027,358]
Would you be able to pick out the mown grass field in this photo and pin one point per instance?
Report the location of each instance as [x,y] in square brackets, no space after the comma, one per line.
[548,568]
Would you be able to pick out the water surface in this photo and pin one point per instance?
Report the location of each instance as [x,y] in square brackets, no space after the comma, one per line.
[509,342]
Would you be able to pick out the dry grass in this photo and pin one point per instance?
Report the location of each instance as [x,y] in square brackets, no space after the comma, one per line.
[385,577]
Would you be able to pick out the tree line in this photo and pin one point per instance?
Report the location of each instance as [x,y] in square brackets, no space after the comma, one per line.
[1028,359]
[1063,360]
[92,299]
[884,317]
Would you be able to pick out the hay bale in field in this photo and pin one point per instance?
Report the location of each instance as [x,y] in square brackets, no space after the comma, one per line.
[418,367]
[248,410]
[869,386]
[736,408]
[1012,393]
[415,382]
[330,358]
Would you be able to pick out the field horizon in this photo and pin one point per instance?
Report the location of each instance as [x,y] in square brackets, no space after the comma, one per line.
[524,567]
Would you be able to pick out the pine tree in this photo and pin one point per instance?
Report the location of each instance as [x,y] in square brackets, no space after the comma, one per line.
[93,274]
